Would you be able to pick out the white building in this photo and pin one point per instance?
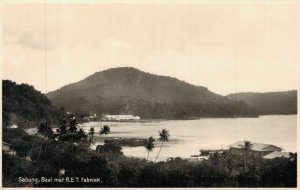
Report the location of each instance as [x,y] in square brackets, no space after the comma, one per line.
[90,118]
[13,127]
[120,118]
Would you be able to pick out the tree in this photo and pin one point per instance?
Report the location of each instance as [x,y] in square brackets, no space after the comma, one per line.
[70,132]
[247,147]
[149,145]
[21,147]
[110,149]
[91,134]
[80,135]
[105,130]
[45,130]
[163,137]
[63,127]
[73,124]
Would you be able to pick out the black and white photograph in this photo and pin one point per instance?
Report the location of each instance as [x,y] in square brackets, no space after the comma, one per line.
[149,93]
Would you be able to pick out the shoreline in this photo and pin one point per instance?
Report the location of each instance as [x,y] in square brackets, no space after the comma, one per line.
[188,119]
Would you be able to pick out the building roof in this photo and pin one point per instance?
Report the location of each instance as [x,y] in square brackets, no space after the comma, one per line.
[277,154]
[256,146]
[5,143]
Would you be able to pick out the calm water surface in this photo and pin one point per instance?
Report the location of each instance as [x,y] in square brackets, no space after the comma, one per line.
[189,136]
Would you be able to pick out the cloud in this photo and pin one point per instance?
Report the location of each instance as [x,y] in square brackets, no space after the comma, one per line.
[37,42]
[201,45]
[25,26]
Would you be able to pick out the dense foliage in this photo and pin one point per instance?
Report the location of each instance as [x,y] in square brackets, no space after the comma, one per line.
[49,157]
[270,102]
[130,91]
[24,106]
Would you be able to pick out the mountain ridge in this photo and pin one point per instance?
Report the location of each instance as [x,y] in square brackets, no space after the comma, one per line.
[129,68]
[135,80]
[127,90]
[266,103]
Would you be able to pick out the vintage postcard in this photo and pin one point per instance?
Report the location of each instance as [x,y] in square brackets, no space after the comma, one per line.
[150,94]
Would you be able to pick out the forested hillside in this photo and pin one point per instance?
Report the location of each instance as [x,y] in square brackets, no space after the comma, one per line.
[26,107]
[270,102]
[131,91]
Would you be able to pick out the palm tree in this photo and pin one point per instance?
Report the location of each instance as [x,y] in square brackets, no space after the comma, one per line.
[73,124]
[91,134]
[149,145]
[105,130]
[247,147]
[163,137]
[80,135]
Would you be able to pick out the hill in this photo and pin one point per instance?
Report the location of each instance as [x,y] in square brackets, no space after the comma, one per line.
[130,91]
[131,84]
[270,102]
[25,106]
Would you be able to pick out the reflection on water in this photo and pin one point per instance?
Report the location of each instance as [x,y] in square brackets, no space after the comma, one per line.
[189,136]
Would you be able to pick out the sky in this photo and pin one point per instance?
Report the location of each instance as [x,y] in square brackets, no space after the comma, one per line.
[227,47]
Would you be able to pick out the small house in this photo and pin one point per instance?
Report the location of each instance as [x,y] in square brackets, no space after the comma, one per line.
[7,148]
[277,154]
[13,127]
[258,149]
